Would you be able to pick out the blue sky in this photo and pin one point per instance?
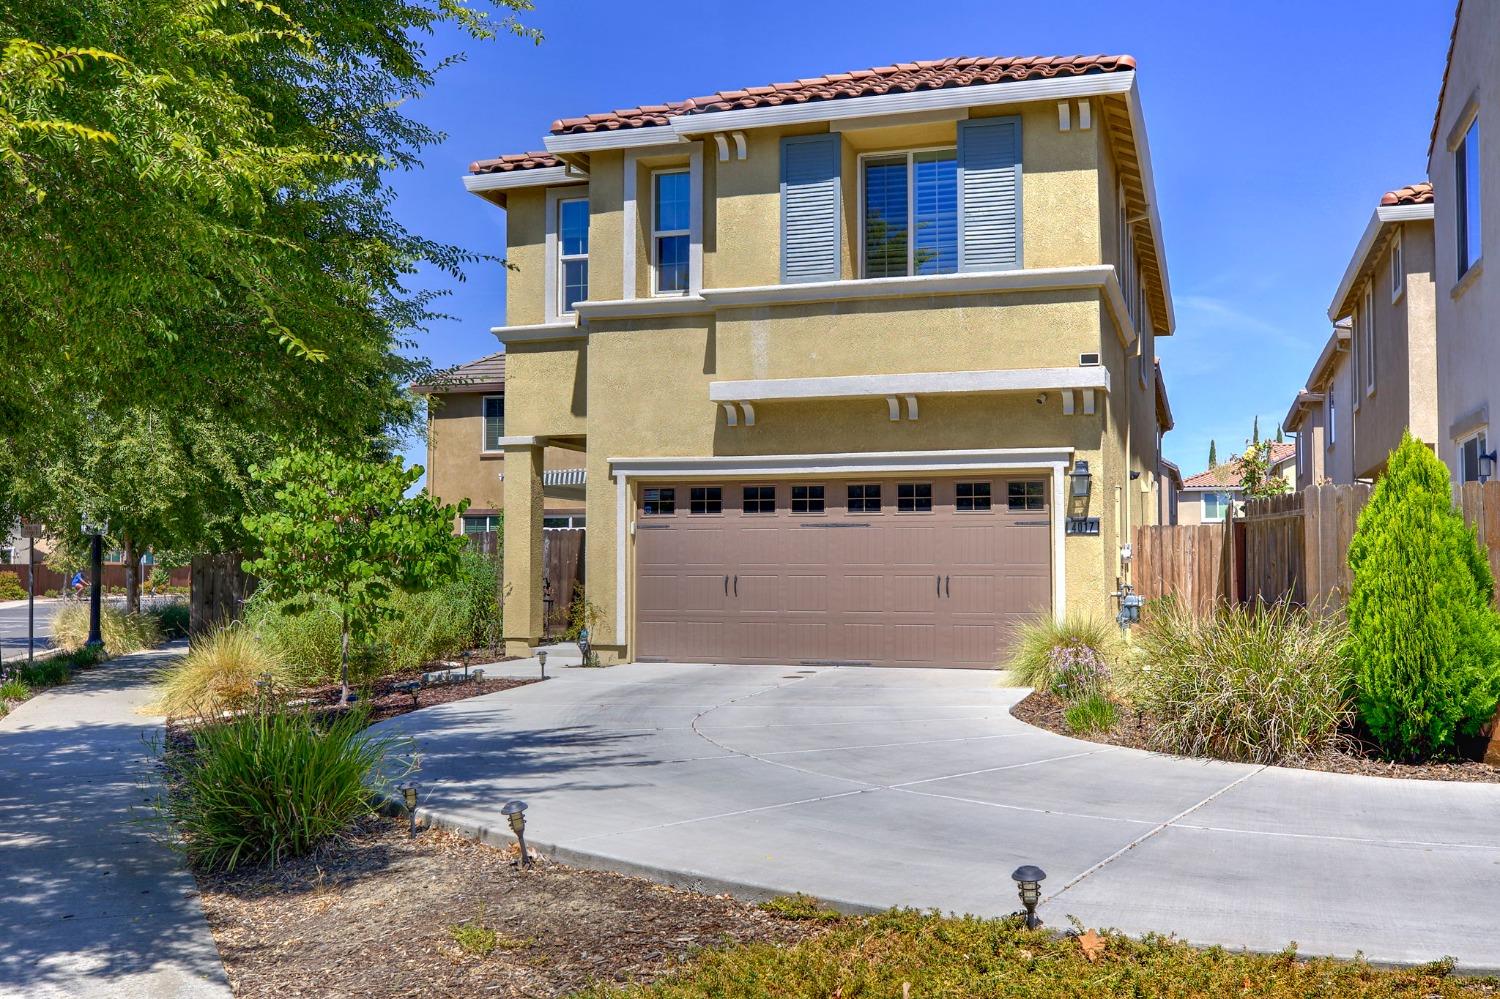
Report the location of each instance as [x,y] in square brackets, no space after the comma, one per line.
[1274,129]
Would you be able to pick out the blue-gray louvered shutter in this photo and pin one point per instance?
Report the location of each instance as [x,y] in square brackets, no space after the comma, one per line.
[810,208]
[989,194]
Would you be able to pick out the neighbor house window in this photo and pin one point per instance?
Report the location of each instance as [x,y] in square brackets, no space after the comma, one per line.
[1398,267]
[481,523]
[706,499]
[807,499]
[864,498]
[494,421]
[1022,496]
[1216,505]
[973,496]
[914,497]
[759,499]
[671,232]
[1466,195]
[572,252]
[660,502]
[910,213]
[1470,451]
[561,523]
[1367,338]
[1332,424]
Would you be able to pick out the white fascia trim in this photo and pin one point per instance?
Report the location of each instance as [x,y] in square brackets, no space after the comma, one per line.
[856,463]
[540,333]
[506,442]
[914,383]
[635,308]
[620,138]
[479,183]
[1148,184]
[1383,216]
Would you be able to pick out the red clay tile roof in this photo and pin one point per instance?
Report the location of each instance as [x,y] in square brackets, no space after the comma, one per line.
[1229,474]
[514,161]
[906,77]
[1411,194]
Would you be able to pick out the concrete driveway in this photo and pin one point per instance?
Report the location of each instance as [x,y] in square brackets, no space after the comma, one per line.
[874,788]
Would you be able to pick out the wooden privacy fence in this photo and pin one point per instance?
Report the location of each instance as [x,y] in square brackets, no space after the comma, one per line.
[1480,503]
[1183,561]
[220,588]
[562,557]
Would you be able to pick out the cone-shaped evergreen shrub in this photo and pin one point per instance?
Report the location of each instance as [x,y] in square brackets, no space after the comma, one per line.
[1423,638]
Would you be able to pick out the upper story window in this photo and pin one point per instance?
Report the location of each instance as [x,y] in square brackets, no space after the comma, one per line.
[910,213]
[671,231]
[572,253]
[1330,431]
[1466,187]
[494,421]
[1398,267]
[1367,338]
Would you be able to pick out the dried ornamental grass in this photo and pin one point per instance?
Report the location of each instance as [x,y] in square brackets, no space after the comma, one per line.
[1046,648]
[122,633]
[218,674]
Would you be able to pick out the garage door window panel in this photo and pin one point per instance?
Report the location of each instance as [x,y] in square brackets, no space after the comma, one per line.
[864,498]
[758,499]
[659,502]
[914,497]
[1023,497]
[807,499]
[706,500]
[972,497]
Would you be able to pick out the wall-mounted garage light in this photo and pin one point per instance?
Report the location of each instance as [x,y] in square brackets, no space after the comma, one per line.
[1486,466]
[1081,479]
[1029,880]
[515,812]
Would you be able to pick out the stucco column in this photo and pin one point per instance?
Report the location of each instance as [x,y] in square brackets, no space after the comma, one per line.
[523,549]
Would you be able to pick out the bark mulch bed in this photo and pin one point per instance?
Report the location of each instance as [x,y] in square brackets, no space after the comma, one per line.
[373,916]
[1045,710]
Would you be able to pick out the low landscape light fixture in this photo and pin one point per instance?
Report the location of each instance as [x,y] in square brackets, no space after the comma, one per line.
[541,658]
[409,797]
[1029,880]
[515,812]
[1080,476]
[409,687]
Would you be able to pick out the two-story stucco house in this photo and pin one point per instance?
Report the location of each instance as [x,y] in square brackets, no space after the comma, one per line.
[1463,162]
[465,459]
[1377,375]
[862,366]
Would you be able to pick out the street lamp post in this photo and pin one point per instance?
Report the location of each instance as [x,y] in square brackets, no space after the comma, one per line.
[96,532]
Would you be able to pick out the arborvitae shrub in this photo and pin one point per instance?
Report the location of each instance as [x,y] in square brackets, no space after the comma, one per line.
[1423,637]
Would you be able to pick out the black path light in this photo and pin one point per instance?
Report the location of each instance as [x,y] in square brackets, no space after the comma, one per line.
[409,797]
[541,658]
[1029,880]
[515,812]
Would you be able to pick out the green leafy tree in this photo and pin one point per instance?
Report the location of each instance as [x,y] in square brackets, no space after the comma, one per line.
[344,533]
[1424,639]
[1257,478]
[1213,454]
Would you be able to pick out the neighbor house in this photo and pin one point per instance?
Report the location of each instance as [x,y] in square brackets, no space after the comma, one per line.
[465,459]
[1463,161]
[1322,415]
[1386,296]
[862,367]
[1206,498]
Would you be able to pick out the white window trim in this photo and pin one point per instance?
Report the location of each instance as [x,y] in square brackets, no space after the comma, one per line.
[1482,434]
[1367,313]
[551,276]
[656,233]
[484,404]
[1398,267]
[1331,419]
[633,204]
[555,248]
[911,190]
[1457,150]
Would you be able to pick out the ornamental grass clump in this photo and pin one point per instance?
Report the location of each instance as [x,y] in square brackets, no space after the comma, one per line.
[265,787]
[1261,684]
[1059,656]
[122,632]
[1423,634]
[219,673]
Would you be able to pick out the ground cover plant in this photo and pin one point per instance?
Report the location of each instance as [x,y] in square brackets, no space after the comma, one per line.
[1423,634]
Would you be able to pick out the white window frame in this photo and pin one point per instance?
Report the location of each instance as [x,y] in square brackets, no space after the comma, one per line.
[1367,313]
[1465,225]
[561,259]
[1482,435]
[1331,417]
[1225,500]
[686,170]
[551,272]
[911,197]
[484,419]
[1398,268]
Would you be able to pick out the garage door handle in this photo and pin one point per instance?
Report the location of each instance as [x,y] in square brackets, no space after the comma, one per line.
[939,581]
[726,586]
[736,586]
[947,586]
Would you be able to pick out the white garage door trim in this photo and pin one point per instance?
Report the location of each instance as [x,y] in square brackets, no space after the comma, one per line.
[717,466]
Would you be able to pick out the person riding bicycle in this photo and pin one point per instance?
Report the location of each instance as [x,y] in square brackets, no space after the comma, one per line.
[78,583]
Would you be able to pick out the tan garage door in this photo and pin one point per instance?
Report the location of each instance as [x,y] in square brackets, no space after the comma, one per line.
[891,572]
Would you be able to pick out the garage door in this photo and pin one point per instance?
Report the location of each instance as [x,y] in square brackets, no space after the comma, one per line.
[891,572]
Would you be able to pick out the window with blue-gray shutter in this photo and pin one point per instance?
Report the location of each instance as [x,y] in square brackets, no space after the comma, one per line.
[989,194]
[810,208]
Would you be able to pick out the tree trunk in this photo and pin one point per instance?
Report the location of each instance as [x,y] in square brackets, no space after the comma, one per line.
[132,577]
[344,661]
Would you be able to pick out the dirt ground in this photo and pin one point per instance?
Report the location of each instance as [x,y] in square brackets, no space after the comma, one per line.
[1045,710]
[373,916]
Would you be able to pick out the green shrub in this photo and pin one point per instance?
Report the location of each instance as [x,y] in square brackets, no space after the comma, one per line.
[271,785]
[1262,685]
[47,672]
[799,907]
[172,618]
[582,613]
[1089,714]
[1422,632]
[218,674]
[122,632]
[1055,655]
[14,690]
[10,587]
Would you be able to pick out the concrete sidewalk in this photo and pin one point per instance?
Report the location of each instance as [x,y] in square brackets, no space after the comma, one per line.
[90,905]
[887,787]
